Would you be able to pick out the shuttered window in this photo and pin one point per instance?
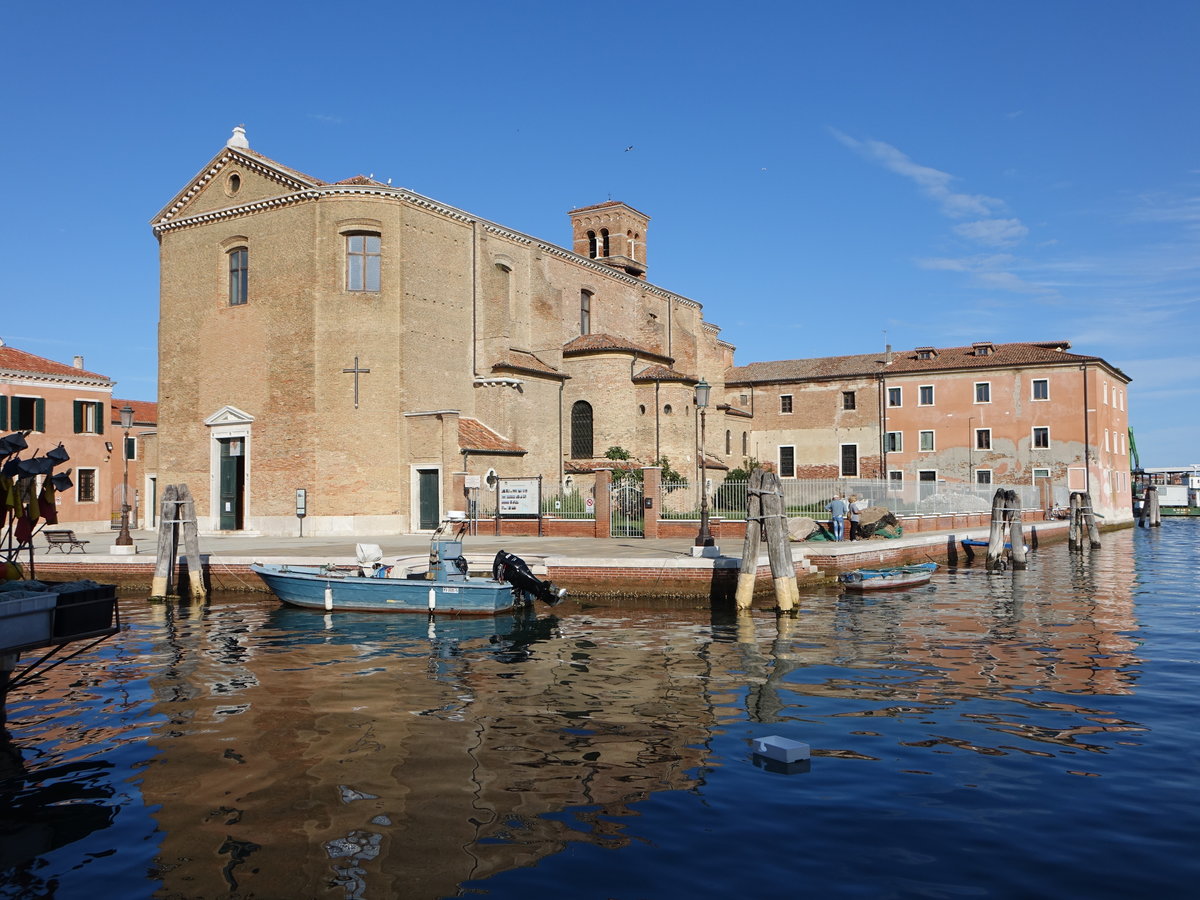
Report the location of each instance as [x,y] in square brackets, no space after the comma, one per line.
[89,417]
[27,414]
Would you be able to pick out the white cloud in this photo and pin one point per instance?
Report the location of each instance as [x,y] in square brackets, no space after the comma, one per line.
[933,182]
[993,232]
[966,263]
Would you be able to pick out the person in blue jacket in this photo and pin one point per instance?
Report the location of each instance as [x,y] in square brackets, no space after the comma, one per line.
[837,514]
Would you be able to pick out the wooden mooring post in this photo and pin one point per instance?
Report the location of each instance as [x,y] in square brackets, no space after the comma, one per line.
[177,510]
[755,527]
[1083,516]
[1006,517]
[765,515]
[1151,512]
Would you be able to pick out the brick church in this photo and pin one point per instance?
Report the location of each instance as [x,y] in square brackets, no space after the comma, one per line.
[377,349]
[387,353]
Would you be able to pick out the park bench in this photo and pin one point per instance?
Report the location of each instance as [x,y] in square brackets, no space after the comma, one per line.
[64,540]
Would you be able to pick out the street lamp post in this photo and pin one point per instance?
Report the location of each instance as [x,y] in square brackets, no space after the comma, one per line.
[123,539]
[704,538]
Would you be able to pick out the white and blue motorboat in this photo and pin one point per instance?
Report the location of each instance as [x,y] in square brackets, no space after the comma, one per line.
[446,587]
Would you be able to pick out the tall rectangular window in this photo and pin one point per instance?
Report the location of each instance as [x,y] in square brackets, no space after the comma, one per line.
[893,442]
[785,403]
[894,396]
[1041,438]
[926,441]
[131,448]
[89,417]
[85,485]
[983,392]
[27,414]
[239,275]
[787,462]
[849,460]
[925,395]
[983,439]
[585,312]
[848,400]
[363,258]
[1041,389]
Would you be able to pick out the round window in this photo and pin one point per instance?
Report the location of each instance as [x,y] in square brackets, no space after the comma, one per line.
[233,184]
[667,409]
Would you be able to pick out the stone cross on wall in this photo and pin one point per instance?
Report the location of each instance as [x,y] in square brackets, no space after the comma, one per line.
[356,371]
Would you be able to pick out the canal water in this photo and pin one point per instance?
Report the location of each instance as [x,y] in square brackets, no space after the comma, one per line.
[1022,735]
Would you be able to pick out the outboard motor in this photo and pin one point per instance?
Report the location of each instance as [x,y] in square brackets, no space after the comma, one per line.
[514,570]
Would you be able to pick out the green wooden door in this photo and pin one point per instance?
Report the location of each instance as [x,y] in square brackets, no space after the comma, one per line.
[428,501]
[232,483]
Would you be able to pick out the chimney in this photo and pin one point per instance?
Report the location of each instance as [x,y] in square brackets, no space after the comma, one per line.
[78,362]
[887,354]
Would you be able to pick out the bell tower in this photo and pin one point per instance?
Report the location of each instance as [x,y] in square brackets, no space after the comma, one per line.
[612,233]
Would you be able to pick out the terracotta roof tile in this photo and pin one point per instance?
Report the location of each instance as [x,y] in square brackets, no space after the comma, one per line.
[523,361]
[662,373]
[145,412]
[18,361]
[360,179]
[607,204]
[607,343]
[907,362]
[476,437]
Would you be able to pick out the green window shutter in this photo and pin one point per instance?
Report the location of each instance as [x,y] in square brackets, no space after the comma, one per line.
[79,416]
[101,409]
[39,414]
[3,413]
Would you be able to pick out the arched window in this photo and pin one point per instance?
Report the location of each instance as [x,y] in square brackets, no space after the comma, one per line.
[604,239]
[581,430]
[239,275]
[591,245]
[585,312]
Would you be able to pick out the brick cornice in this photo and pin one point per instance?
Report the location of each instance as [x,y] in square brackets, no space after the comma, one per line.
[165,221]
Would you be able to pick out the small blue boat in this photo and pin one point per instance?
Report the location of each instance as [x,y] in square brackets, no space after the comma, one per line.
[892,577]
[969,543]
[445,588]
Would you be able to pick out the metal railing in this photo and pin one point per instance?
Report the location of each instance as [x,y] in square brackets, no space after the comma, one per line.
[808,496]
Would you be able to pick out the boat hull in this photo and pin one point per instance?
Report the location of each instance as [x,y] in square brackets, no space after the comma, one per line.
[315,587]
[887,579]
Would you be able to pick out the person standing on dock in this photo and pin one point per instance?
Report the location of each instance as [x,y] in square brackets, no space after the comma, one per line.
[856,506]
[837,515]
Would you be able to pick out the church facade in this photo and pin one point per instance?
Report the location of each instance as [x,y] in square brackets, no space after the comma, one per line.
[381,351]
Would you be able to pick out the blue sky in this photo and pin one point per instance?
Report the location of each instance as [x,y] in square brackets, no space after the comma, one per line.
[824,177]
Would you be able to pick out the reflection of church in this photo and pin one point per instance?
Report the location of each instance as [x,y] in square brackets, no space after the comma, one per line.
[367,757]
[375,347]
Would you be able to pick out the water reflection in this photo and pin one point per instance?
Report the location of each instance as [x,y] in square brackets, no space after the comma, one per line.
[285,752]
